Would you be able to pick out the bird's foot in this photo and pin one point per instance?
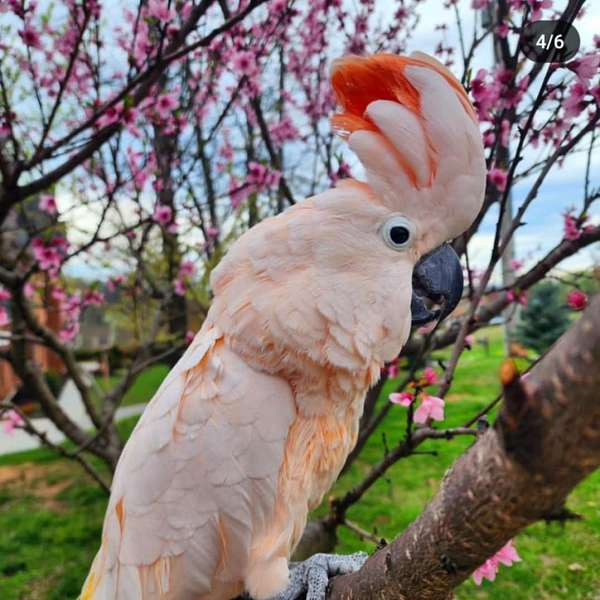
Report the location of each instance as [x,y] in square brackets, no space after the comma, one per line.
[311,576]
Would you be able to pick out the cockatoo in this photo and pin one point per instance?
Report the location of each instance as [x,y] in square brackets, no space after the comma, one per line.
[253,424]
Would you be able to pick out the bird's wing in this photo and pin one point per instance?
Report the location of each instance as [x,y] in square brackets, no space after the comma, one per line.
[196,481]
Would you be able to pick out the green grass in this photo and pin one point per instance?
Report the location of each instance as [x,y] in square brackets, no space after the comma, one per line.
[143,387]
[51,518]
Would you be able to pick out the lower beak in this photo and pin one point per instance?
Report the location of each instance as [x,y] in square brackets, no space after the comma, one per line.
[438,276]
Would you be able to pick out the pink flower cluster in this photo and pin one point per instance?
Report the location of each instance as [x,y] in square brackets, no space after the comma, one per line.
[92,298]
[186,271]
[494,91]
[498,177]
[259,178]
[70,307]
[48,204]
[574,227]
[115,282]
[163,214]
[430,407]
[12,419]
[49,256]
[507,555]
[577,300]
[128,117]
[516,296]
[284,131]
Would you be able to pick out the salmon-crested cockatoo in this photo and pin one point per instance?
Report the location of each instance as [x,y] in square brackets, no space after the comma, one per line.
[253,424]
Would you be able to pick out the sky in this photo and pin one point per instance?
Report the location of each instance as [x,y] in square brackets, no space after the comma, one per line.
[563,187]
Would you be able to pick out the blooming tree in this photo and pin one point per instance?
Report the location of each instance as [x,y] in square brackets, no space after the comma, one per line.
[145,148]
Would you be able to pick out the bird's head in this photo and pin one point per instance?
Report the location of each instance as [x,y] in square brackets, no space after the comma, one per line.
[340,277]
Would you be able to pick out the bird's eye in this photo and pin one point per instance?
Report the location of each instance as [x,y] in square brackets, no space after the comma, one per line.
[398,232]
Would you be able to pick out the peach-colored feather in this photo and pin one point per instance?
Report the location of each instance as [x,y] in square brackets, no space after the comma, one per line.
[252,426]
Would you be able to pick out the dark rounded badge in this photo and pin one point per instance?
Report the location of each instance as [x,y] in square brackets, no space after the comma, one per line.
[550,41]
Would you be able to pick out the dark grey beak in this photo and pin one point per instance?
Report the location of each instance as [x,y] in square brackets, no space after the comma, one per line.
[437,276]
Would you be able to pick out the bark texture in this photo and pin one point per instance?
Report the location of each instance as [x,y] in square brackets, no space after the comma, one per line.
[544,442]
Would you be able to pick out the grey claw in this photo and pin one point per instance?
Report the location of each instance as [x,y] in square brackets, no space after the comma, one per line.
[312,576]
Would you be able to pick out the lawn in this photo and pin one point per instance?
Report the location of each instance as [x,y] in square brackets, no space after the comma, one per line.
[51,514]
[143,387]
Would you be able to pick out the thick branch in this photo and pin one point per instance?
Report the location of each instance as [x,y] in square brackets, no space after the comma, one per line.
[546,440]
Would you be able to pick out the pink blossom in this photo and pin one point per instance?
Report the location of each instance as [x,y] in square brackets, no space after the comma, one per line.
[4,294]
[60,243]
[283,131]
[431,407]
[166,104]
[577,300]
[392,369]
[162,214]
[402,398]
[585,67]
[93,298]
[69,331]
[485,94]
[189,336]
[430,375]
[179,286]
[575,103]
[29,289]
[212,232]
[4,320]
[115,282]
[502,29]
[30,36]
[129,118]
[187,268]
[238,193]
[572,227]
[59,294]
[256,173]
[245,63]
[537,7]
[498,177]
[260,177]
[479,4]
[517,296]
[48,258]
[507,555]
[515,264]
[470,340]
[111,115]
[48,204]
[12,420]
[160,10]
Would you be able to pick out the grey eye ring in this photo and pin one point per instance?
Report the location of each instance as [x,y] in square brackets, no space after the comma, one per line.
[398,232]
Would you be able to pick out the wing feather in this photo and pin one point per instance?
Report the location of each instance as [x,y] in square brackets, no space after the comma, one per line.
[198,479]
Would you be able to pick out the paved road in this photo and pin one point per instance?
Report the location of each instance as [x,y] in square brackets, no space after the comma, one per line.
[70,402]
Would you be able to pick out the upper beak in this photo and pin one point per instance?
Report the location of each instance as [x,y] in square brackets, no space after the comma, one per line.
[438,276]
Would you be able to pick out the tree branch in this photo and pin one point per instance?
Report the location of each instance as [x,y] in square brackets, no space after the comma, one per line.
[545,441]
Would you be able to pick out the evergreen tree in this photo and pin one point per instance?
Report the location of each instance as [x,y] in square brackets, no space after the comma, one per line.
[544,319]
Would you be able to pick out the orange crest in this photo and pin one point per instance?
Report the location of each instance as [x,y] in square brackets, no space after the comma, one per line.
[357,81]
